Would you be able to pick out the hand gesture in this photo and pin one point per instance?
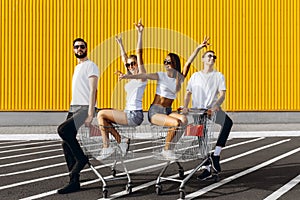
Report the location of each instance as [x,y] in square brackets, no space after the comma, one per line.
[205,42]
[139,26]
[119,39]
[120,74]
[185,111]
[88,121]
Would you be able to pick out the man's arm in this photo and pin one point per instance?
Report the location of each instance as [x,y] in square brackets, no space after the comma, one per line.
[192,57]
[219,101]
[93,82]
[187,99]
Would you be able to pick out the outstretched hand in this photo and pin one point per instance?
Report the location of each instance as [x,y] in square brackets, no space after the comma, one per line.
[120,74]
[139,26]
[205,42]
[119,39]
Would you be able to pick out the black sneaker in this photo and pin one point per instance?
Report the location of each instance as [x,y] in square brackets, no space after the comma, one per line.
[215,163]
[205,175]
[71,187]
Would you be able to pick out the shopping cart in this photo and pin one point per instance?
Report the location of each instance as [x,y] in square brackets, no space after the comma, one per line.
[192,142]
[91,142]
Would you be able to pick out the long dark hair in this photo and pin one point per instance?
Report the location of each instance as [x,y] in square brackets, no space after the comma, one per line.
[179,77]
[176,60]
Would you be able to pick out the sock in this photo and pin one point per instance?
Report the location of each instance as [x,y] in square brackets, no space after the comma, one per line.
[217,151]
[207,167]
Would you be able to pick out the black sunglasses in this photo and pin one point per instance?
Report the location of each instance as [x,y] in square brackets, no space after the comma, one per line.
[214,57]
[167,62]
[130,64]
[82,46]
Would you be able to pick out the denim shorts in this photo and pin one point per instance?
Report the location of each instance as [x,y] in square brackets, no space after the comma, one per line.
[134,117]
[155,109]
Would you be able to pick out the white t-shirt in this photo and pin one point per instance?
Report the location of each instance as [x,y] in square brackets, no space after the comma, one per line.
[80,82]
[205,88]
[135,91]
[166,86]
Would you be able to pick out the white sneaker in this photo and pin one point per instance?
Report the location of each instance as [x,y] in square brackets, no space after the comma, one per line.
[106,152]
[168,154]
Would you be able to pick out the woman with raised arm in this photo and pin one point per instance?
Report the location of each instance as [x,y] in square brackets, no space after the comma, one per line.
[133,113]
[168,84]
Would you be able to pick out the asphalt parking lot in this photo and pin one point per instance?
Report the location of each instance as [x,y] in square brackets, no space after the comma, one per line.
[252,168]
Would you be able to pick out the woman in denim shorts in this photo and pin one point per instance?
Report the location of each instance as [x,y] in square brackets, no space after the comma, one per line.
[168,84]
[133,113]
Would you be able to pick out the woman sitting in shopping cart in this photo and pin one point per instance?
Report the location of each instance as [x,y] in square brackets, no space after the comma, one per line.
[133,113]
[168,84]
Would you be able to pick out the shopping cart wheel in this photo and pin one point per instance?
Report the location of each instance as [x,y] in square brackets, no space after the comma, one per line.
[113,172]
[129,188]
[181,173]
[104,193]
[182,194]
[158,189]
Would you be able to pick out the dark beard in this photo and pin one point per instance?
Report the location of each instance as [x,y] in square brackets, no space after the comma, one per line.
[81,56]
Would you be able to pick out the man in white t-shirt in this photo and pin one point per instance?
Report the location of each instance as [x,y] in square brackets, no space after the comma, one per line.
[207,89]
[82,109]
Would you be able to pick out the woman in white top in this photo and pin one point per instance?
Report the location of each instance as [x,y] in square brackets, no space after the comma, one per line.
[168,84]
[133,113]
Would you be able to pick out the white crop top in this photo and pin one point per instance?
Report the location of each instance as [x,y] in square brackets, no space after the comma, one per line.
[135,91]
[166,86]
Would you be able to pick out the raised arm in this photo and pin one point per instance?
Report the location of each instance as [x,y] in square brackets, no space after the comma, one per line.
[188,63]
[151,76]
[139,47]
[122,49]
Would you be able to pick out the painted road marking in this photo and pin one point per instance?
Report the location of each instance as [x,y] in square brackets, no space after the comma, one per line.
[97,180]
[284,189]
[117,195]
[238,175]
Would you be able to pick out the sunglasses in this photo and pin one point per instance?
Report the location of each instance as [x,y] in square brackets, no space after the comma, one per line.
[82,46]
[130,64]
[213,56]
[167,62]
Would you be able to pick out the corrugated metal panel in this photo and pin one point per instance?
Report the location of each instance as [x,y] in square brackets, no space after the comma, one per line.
[257,43]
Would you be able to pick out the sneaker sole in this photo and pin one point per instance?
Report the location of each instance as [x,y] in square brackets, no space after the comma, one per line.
[203,179]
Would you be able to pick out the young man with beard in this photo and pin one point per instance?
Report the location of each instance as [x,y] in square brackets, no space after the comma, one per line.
[82,109]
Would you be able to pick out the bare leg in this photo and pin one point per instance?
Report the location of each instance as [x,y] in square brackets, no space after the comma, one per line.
[105,119]
[173,120]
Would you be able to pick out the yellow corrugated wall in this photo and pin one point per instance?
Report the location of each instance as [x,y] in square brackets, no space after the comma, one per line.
[257,43]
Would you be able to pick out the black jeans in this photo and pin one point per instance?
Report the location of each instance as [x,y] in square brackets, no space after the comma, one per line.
[68,131]
[226,123]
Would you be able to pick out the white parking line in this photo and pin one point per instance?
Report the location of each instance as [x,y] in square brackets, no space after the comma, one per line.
[29,137]
[30,148]
[29,161]
[117,195]
[26,144]
[284,189]
[11,142]
[93,181]
[33,170]
[29,154]
[238,175]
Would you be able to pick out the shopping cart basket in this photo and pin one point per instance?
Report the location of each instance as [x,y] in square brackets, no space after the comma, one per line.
[191,142]
[91,142]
